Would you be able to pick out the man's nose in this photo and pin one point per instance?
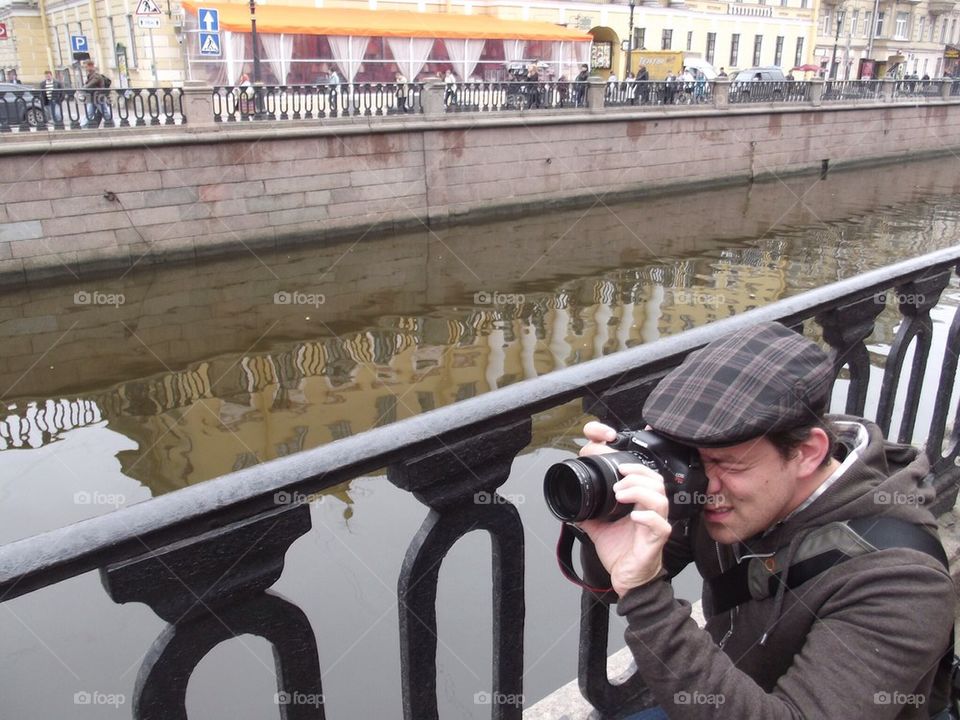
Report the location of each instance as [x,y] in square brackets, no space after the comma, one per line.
[714,482]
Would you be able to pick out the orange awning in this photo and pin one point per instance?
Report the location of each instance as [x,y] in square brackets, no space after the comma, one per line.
[293,20]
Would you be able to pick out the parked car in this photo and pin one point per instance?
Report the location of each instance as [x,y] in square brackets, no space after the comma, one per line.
[742,88]
[19,103]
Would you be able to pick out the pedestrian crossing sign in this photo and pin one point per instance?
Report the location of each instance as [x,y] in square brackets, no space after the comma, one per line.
[148,7]
[209,43]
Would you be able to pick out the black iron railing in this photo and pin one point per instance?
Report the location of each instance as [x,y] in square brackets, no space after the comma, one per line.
[224,540]
[852,90]
[508,96]
[753,91]
[79,109]
[674,92]
[306,102]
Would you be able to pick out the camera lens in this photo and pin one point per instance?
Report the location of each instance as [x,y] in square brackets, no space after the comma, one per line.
[568,490]
[582,489]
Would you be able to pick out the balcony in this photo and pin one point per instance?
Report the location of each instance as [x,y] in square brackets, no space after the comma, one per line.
[939,7]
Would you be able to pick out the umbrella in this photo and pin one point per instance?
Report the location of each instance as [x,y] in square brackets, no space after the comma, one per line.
[807,68]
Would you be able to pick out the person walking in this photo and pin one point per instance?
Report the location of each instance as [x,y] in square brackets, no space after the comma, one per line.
[52,98]
[580,90]
[98,99]
[401,91]
[449,88]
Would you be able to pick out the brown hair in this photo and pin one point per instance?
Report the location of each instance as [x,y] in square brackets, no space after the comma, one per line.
[786,441]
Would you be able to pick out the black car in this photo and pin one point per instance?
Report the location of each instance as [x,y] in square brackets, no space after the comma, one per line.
[19,103]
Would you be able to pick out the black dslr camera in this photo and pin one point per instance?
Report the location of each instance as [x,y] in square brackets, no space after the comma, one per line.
[582,489]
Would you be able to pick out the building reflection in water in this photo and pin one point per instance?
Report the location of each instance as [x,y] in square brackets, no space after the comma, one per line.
[229,410]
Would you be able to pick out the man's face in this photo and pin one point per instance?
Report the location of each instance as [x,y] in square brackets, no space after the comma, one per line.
[750,488]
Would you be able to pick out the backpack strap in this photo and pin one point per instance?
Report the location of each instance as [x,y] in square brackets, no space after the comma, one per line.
[733,587]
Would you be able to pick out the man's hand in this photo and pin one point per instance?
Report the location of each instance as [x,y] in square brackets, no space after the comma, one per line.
[631,548]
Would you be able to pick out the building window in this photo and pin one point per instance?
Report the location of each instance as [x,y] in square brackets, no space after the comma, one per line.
[868,23]
[953,34]
[933,27]
[879,30]
[943,31]
[690,40]
[132,56]
[778,51]
[639,38]
[711,47]
[827,27]
[922,26]
[854,21]
[757,45]
[734,49]
[798,58]
[900,30]
[783,3]
[667,40]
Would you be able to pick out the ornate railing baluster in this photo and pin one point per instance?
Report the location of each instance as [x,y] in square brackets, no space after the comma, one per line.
[449,480]
[846,328]
[915,300]
[212,588]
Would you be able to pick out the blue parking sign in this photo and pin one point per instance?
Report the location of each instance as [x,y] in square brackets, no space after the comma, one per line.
[78,43]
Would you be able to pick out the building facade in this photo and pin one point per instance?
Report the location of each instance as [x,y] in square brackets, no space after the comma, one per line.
[919,36]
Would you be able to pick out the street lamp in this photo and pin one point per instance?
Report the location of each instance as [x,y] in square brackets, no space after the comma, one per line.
[630,36]
[257,98]
[836,39]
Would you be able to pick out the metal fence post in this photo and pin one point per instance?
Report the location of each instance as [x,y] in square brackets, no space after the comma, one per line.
[946,86]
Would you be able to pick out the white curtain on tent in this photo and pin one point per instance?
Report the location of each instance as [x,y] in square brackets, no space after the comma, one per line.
[513,51]
[464,55]
[569,56]
[410,54]
[279,52]
[234,45]
[348,52]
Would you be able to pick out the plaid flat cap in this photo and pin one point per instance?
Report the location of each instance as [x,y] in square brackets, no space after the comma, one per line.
[763,379]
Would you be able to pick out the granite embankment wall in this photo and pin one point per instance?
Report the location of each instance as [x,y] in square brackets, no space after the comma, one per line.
[72,202]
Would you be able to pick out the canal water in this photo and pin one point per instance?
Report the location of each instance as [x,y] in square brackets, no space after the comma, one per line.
[119,389]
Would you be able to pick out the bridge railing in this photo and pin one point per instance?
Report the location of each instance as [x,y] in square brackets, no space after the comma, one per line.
[90,109]
[33,110]
[224,540]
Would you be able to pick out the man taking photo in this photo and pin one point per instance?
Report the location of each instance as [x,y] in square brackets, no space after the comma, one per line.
[823,593]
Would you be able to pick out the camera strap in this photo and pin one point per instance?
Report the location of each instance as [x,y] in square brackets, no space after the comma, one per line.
[595,577]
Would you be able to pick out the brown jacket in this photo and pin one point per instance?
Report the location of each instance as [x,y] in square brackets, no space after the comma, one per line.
[860,640]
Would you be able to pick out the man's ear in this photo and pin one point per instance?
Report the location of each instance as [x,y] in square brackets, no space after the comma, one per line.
[811,452]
